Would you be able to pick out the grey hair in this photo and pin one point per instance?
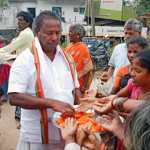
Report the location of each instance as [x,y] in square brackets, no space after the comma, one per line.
[138,126]
[79,29]
[134,24]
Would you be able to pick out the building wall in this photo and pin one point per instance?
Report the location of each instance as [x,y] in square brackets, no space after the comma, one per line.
[8,18]
[68,8]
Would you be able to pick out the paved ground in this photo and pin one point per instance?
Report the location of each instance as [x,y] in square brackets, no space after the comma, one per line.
[8,132]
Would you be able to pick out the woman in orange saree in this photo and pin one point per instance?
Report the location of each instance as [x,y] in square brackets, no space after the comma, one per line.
[80,53]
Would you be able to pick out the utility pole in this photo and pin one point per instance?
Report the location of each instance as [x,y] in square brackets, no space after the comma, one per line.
[92,17]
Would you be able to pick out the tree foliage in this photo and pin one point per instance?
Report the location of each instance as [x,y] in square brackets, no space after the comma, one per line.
[143,7]
[3,3]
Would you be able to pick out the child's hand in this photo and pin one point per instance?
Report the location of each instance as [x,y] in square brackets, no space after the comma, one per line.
[69,129]
[86,138]
[82,133]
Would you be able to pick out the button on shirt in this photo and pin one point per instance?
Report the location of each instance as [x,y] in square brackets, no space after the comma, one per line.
[22,80]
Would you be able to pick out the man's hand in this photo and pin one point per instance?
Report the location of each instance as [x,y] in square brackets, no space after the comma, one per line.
[62,107]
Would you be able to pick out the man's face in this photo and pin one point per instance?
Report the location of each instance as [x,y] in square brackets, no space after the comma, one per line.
[49,34]
[128,33]
[22,24]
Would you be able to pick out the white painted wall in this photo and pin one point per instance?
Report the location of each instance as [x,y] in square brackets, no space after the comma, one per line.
[9,20]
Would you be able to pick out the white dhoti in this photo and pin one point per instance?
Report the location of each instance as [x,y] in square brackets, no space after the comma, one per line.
[37,146]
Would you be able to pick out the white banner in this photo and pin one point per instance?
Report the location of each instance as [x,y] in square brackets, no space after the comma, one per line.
[111,5]
[109,31]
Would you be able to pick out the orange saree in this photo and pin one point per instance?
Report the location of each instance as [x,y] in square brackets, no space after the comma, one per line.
[80,53]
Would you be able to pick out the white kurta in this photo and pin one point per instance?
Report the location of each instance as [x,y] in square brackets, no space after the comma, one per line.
[57,84]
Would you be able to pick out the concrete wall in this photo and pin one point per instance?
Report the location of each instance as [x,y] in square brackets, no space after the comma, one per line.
[8,15]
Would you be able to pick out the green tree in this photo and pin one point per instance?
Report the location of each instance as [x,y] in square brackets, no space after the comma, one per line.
[3,3]
[143,7]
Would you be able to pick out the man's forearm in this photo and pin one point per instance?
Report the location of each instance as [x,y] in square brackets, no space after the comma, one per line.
[28,101]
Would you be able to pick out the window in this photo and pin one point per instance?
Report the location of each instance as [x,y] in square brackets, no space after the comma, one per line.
[57,11]
[32,12]
[76,9]
[81,10]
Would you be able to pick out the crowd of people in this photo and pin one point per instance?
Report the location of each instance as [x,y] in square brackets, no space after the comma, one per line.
[47,82]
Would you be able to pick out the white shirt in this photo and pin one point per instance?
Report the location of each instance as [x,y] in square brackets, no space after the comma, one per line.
[22,80]
[72,146]
[20,43]
[119,57]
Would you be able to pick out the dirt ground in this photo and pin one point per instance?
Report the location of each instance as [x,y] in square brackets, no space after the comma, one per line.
[8,128]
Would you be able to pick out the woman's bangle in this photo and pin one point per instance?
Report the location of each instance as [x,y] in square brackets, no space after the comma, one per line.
[119,103]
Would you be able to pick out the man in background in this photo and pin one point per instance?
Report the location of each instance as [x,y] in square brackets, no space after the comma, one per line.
[132,27]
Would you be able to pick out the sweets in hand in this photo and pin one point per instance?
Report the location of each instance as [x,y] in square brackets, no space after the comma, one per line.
[82,118]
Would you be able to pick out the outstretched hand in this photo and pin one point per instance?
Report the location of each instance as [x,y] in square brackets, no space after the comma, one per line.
[112,123]
[93,103]
[69,129]
[82,132]
[84,106]
[102,108]
[103,105]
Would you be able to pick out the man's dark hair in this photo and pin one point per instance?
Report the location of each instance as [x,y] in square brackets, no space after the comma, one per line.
[141,41]
[44,15]
[26,16]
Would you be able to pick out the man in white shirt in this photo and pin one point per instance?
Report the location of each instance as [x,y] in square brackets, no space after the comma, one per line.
[42,82]
[24,38]
[132,27]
